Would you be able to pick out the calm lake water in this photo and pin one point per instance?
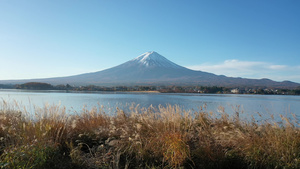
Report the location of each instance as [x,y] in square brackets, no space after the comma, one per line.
[246,105]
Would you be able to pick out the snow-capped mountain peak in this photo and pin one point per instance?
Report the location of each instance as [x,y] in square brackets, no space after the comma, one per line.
[153,69]
[153,59]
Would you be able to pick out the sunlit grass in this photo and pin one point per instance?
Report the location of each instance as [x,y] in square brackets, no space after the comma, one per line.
[162,137]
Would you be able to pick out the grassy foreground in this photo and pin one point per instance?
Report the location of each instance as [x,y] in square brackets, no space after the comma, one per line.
[166,137]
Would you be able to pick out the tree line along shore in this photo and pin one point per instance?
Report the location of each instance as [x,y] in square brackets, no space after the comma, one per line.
[161,89]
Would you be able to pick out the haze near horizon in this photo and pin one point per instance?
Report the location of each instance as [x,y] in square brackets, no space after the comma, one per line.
[249,39]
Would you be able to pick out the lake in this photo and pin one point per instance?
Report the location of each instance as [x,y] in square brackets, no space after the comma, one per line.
[246,105]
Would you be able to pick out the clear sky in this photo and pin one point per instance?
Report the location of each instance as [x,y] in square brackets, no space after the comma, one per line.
[239,38]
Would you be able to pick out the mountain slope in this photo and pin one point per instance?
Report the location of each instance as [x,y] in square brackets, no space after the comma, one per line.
[147,68]
[152,68]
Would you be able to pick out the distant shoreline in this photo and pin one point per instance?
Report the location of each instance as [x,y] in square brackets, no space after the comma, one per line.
[128,92]
[155,89]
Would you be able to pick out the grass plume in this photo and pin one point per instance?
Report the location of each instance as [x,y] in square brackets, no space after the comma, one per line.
[162,137]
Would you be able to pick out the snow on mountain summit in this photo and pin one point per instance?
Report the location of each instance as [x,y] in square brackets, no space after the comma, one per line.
[153,59]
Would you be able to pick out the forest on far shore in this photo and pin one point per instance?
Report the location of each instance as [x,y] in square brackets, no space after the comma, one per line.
[161,89]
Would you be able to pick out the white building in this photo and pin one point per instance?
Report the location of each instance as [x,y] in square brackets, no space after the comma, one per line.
[235,90]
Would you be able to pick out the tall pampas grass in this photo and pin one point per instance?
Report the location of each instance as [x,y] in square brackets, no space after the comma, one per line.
[153,137]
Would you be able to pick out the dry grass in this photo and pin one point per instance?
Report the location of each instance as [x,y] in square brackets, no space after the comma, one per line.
[163,137]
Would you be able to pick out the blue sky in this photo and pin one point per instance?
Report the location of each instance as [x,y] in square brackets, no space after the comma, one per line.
[52,38]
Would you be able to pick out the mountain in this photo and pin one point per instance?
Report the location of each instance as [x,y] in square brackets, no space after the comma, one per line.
[153,69]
